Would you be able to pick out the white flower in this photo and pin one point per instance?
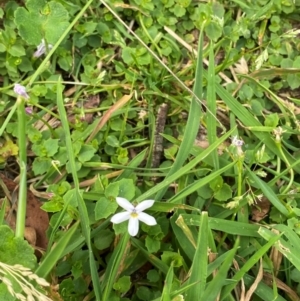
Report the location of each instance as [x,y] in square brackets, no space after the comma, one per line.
[134,214]
[21,91]
[41,49]
[237,142]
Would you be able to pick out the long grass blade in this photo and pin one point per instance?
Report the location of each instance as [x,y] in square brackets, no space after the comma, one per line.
[52,257]
[268,192]
[183,170]
[113,267]
[166,293]
[212,106]
[193,121]
[199,267]
[248,265]
[214,287]
[249,120]
[83,213]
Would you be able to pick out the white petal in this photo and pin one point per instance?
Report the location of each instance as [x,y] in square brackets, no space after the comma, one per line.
[147,219]
[133,226]
[144,205]
[120,217]
[125,204]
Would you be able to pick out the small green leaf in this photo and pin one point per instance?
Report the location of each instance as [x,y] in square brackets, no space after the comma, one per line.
[171,152]
[41,165]
[272,120]
[112,141]
[55,205]
[104,32]
[86,153]
[127,55]
[126,189]
[104,208]
[51,147]
[213,31]
[153,276]
[123,284]
[169,257]
[112,190]
[216,183]
[17,50]
[104,239]
[86,28]
[144,293]
[224,194]
[152,245]
[178,10]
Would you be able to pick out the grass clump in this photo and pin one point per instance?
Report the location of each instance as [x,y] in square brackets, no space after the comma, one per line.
[185,109]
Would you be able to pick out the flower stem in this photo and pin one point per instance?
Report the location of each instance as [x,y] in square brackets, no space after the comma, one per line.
[21,215]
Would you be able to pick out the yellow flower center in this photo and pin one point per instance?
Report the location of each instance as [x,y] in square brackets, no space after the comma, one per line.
[134,214]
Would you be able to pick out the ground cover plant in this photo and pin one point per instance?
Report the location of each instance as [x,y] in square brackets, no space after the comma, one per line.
[149,150]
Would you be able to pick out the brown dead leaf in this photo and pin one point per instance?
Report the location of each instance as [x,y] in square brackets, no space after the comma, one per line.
[36,218]
[260,209]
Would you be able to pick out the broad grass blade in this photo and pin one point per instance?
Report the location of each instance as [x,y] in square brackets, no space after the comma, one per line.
[183,170]
[166,293]
[249,264]
[267,191]
[212,106]
[193,121]
[52,257]
[199,267]
[214,287]
[83,213]
[113,266]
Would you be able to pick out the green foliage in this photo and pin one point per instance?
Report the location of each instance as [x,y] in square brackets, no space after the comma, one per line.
[10,249]
[41,20]
[85,146]
[13,251]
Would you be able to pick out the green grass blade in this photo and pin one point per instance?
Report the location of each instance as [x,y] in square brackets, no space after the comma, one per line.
[3,211]
[212,106]
[268,192]
[226,226]
[200,183]
[113,267]
[56,252]
[166,293]
[290,251]
[182,171]
[248,265]
[193,121]
[249,120]
[83,213]
[214,287]
[150,257]
[183,240]
[22,199]
[135,162]
[199,267]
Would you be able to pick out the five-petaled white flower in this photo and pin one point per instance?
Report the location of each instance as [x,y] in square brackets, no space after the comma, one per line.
[41,49]
[134,214]
[21,91]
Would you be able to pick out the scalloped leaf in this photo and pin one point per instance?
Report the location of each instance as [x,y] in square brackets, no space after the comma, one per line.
[41,20]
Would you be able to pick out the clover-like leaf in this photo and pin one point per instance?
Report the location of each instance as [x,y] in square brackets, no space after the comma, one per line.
[104,208]
[41,20]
